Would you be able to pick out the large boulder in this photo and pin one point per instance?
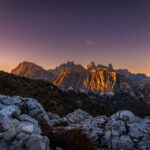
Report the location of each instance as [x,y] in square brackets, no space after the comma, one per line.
[77,116]
[124,115]
[19,128]
[10,110]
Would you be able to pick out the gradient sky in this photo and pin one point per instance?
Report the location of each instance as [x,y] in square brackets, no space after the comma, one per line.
[50,32]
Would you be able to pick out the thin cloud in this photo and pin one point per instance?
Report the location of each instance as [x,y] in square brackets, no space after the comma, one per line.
[89,42]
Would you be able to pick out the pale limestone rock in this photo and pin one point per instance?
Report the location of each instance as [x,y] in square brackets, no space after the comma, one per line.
[77,116]
[9,110]
[27,118]
[17,130]
[10,134]
[25,127]
[124,115]
[6,123]
[126,143]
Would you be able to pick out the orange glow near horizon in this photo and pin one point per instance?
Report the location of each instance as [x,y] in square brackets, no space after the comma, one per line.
[8,68]
[5,68]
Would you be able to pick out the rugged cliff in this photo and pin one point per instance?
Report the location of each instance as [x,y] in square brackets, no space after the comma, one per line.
[31,70]
[95,78]
[100,79]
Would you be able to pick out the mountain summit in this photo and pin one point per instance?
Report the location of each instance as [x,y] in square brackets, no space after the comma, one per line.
[95,78]
[30,70]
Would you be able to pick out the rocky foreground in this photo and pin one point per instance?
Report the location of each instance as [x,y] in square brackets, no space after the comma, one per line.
[25,125]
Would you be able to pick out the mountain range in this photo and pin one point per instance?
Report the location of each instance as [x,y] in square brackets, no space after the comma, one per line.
[67,109]
[95,78]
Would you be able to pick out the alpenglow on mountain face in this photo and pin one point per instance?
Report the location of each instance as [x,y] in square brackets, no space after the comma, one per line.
[69,76]
[31,70]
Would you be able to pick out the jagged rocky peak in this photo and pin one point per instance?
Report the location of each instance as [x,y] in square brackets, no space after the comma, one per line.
[95,78]
[30,70]
[70,65]
[110,67]
[91,65]
[69,75]
[69,79]
[123,71]
[26,65]
[100,81]
[138,78]
[102,66]
[100,78]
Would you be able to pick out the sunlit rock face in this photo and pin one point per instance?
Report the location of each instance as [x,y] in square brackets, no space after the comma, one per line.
[70,80]
[70,65]
[95,78]
[61,77]
[68,76]
[91,66]
[100,80]
[31,70]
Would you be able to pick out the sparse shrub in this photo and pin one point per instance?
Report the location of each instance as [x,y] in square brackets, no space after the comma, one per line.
[73,139]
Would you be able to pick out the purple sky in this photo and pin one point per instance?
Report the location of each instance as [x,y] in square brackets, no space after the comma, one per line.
[50,32]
